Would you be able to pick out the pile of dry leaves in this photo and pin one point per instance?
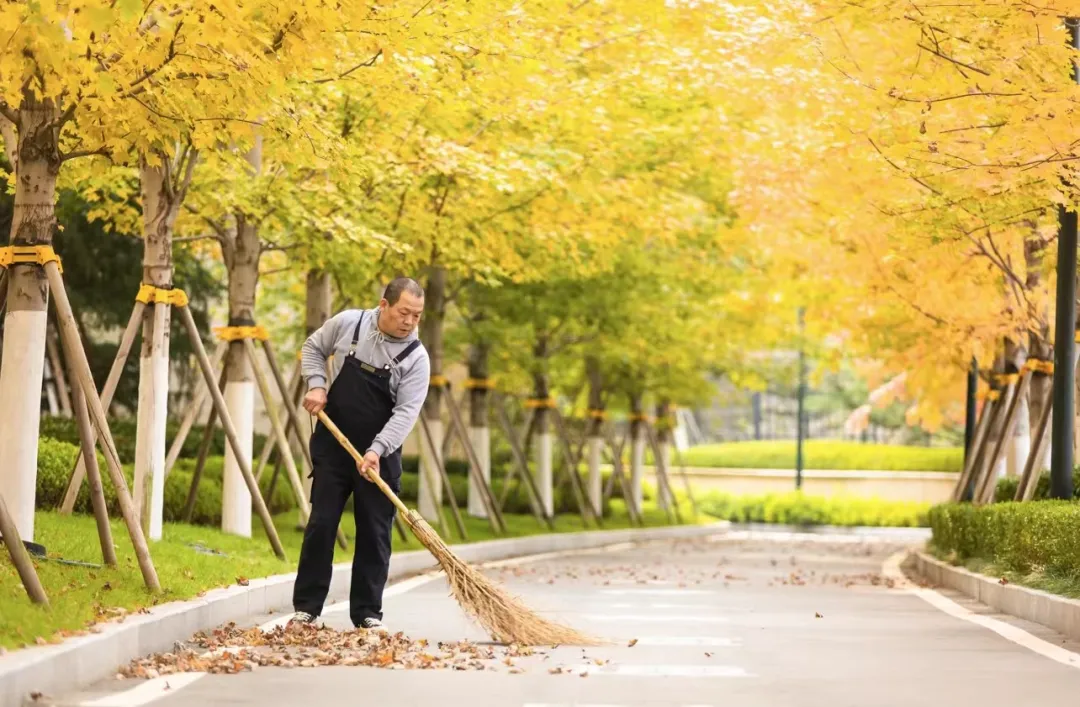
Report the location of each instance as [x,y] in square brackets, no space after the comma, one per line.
[231,649]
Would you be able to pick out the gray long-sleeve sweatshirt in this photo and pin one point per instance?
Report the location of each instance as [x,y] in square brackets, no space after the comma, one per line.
[409,380]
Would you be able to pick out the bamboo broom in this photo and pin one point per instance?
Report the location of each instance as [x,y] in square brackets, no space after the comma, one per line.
[503,615]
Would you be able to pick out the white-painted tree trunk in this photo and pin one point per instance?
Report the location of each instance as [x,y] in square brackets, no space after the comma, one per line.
[20,401]
[1020,445]
[481,442]
[430,497]
[150,443]
[596,479]
[637,471]
[235,496]
[1044,462]
[36,159]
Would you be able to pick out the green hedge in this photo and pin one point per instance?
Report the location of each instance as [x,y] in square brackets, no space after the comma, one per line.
[123,432]
[56,457]
[1018,537]
[825,454]
[797,508]
[55,460]
[1006,487]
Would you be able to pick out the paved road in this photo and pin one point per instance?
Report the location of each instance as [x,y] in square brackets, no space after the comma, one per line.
[745,620]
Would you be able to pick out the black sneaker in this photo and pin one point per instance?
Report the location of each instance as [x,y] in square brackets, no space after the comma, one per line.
[372,624]
[302,617]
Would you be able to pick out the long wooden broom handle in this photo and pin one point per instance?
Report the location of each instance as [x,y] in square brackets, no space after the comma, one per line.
[359,459]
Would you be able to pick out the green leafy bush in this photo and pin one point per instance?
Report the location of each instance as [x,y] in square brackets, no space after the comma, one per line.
[1019,537]
[56,459]
[825,454]
[123,431]
[797,508]
[1006,487]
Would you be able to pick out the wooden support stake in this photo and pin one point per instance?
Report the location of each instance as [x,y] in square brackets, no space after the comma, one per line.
[287,398]
[283,441]
[662,475]
[495,517]
[986,482]
[126,342]
[193,411]
[93,473]
[62,388]
[230,432]
[618,475]
[584,507]
[974,455]
[520,466]
[200,461]
[20,557]
[686,479]
[1029,480]
[3,289]
[80,370]
[440,467]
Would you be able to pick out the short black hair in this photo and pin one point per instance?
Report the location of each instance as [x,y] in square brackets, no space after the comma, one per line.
[399,285]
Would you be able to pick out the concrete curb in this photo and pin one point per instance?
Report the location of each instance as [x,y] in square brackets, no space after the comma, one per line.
[82,660]
[1058,613]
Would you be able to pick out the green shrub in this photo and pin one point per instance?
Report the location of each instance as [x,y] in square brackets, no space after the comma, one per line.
[1006,487]
[797,508]
[56,459]
[123,432]
[1019,537]
[825,454]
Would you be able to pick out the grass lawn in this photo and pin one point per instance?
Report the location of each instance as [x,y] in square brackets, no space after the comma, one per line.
[825,454]
[80,596]
[1065,586]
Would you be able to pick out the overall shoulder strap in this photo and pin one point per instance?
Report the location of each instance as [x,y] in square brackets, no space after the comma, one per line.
[408,350]
[356,334]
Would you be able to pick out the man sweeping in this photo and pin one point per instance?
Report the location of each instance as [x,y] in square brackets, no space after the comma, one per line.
[381,374]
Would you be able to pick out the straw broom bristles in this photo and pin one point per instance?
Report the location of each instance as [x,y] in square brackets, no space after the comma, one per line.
[504,616]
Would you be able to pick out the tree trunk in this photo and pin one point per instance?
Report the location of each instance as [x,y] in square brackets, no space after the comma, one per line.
[431,494]
[1018,446]
[25,323]
[545,439]
[595,432]
[479,432]
[1038,343]
[1039,394]
[637,451]
[663,442]
[993,434]
[160,209]
[239,378]
[319,304]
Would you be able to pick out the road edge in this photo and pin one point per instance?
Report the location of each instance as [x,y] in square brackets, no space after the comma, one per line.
[1055,612]
[82,660]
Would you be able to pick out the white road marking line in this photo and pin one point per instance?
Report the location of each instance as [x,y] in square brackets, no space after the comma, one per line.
[145,692]
[675,671]
[891,569]
[655,618]
[658,592]
[689,641]
[656,605]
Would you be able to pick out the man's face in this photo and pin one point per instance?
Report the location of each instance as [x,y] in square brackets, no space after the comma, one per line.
[402,318]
